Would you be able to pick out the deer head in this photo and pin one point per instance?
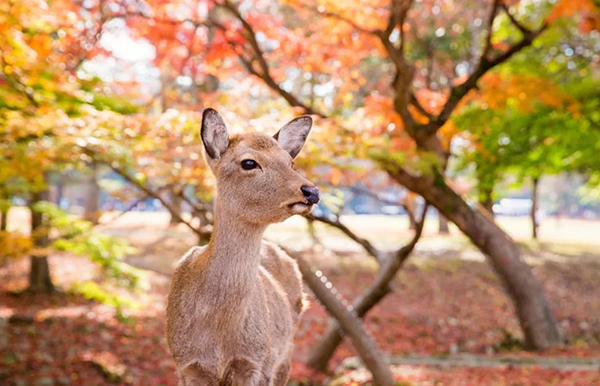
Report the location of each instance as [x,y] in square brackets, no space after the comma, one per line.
[255,173]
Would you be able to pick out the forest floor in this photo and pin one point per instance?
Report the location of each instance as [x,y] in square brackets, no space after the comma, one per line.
[448,322]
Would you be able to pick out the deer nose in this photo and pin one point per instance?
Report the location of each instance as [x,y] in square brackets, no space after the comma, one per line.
[311,193]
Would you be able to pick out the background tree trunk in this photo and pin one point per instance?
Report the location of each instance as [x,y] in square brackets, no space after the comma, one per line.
[443,225]
[92,199]
[177,204]
[312,232]
[40,279]
[535,316]
[487,202]
[409,207]
[534,208]
[4,207]
[412,223]
[60,190]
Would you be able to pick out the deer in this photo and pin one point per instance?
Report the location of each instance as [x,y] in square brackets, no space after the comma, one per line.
[234,304]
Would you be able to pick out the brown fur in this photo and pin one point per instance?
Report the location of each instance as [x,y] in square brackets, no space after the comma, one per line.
[234,304]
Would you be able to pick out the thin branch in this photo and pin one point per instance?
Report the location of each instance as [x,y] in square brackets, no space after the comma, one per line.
[403,253]
[336,223]
[415,102]
[148,191]
[384,37]
[94,226]
[404,71]
[369,193]
[17,84]
[196,206]
[334,15]
[490,29]
[124,211]
[259,56]
[397,17]
[485,64]
[513,20]
[402,8]
[162,20]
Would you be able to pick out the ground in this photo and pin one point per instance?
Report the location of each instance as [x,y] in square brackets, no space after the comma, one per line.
[446,303]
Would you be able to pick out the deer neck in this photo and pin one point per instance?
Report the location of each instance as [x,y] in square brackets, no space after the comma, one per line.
[234,250]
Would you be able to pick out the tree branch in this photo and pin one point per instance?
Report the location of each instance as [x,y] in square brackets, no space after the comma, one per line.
[336,223]
[485,64]
[489,30]
[17,84]
[513,20]
[163,20]
[94,226]
[397,17]
[148,191]
[415,102]
[404,71]
[334,15]
[126,210]
[324,350]
[367,348]
[259,56]
[250,35]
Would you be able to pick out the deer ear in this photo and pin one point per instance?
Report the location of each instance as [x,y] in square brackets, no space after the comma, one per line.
[292,136]
[214,134]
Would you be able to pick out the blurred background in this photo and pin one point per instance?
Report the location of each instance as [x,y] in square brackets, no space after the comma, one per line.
[456,145]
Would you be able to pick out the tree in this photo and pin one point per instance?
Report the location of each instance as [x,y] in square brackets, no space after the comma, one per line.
[425,124]
[390,262]
[45,110]
[546,130]
[395,90]
[40,279]
[423,170]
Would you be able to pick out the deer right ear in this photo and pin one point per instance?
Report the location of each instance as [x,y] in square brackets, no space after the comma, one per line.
[292,136]
[214,134]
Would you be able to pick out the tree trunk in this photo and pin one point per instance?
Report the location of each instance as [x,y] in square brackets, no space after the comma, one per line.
[365,345]
[487,202]
[536,318]
[60,191]
[409,207]
[324,350]
[176,203]
[92,199]
[40,279]
[3,217]
[39,275]
[412,223]
[443,225]
[534,208]
[312,232]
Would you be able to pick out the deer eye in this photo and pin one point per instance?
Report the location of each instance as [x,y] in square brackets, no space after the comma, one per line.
[249,164]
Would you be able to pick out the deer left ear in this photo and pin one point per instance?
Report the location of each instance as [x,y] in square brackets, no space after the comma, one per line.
[292,136]
[214,134]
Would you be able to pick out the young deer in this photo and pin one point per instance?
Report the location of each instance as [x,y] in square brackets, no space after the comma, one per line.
[234,304]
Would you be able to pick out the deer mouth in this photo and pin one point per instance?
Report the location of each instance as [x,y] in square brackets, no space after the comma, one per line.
[300,207]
